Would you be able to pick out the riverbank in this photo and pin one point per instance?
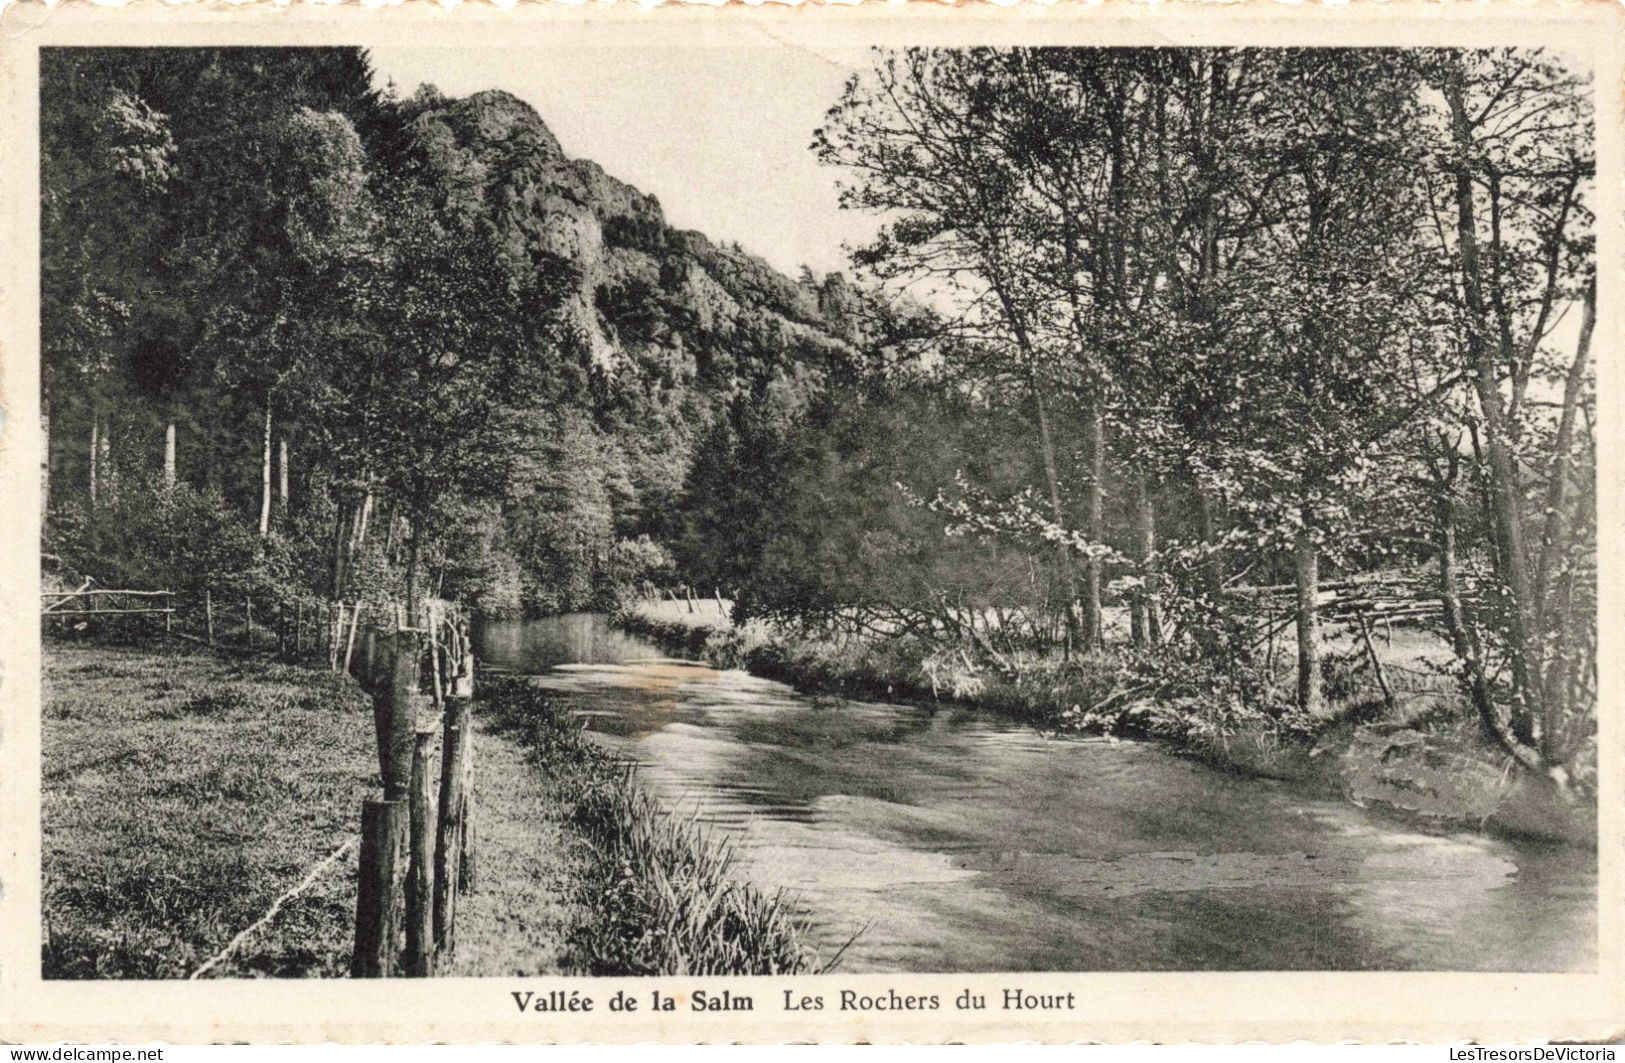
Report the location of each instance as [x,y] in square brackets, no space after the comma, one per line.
[1423,760]
[653,894]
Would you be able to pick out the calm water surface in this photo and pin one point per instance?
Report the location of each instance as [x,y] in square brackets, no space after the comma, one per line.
[959,841]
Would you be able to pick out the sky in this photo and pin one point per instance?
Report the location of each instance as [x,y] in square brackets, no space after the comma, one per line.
[719,135]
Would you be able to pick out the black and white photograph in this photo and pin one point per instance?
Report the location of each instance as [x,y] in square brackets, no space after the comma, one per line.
[516,511]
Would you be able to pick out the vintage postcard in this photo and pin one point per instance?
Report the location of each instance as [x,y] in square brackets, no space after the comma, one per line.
[883,523]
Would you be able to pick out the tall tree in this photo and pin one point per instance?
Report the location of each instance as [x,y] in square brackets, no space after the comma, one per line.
[464,337]
[1513,231]
[913,135]
[1322,310]
[106,158]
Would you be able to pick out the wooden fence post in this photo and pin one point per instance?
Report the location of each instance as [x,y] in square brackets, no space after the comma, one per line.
[334,628]
[349,645]
[466,848]
[460,683]
[394,712]
[420,868]
[383,825]
[448,843]
[248,621]
[208,614]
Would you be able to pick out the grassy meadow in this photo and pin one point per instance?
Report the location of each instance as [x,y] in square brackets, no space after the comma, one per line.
[186,793]
[182,794]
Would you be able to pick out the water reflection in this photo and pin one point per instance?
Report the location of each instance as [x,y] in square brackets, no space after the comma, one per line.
[960,841]
[574,638]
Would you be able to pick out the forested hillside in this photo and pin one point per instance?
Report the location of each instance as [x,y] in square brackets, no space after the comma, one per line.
[326,338]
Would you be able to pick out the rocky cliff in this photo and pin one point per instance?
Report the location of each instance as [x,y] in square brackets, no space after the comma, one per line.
[646,296]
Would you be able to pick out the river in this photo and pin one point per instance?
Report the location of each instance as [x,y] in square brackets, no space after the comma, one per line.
[955,840]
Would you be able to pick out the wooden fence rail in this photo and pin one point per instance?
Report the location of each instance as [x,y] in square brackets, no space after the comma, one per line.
[86,602]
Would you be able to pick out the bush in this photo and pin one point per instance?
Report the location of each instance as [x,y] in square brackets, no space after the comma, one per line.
[141,536]
[662,899]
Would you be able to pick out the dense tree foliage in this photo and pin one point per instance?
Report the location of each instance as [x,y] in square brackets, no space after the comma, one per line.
[1145,333]
[405,343]
[1280,283]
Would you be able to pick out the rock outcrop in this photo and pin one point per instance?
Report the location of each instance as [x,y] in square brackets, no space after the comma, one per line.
[646,296]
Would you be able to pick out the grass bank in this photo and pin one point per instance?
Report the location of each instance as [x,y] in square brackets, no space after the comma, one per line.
[652,893]
[185,794]
[517,916]
[1424,759]
[182,795]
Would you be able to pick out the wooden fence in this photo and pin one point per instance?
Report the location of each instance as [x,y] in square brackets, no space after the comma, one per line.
[307,630]
[1359,605]
[417,845]
[77,607]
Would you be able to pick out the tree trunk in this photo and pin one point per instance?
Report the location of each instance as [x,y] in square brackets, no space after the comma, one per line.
[412,576]
[282,474]
[265,474]
[1552,545]
[211,433]
[169,455]
[1508,526]
[339,522]
[1052,478]
[390,522]
[1505,520]
[105,454]
[1213,567]
[45,453]
[1095,524]
[1147,616]
[1047,447]
[1463,638]
[354,529]
[1310,697]
[95,455]
[1136,620]
[366,514]
[1554,577]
